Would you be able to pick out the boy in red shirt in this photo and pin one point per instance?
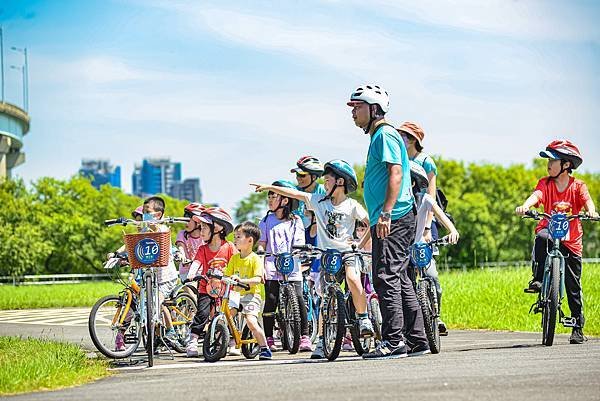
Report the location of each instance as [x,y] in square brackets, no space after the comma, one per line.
[560,192]
[215,224]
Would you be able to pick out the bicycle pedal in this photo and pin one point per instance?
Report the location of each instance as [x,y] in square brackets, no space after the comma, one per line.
[569,321]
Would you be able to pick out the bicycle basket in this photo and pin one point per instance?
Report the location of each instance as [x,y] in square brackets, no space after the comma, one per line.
[150,249]
[421,254]
[284,263]
[558,226]
[331,261]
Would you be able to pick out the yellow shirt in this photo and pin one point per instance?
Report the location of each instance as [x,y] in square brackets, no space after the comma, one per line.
[249,267]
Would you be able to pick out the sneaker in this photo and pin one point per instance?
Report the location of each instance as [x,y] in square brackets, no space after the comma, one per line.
[233,351]
[305,345]
[442,328]
[365,327]
[191,350]
[534,287]
[347,344]
[418,350]
[318,353]
[577,336]
[120,342]
[265,354]
[385,350]
[271,344]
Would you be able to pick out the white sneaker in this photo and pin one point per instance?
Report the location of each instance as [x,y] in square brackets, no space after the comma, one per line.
[318,353]
[191,350]
[366,327]
[233,351]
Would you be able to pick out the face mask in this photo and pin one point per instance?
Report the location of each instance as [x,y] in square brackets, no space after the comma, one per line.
[149,217]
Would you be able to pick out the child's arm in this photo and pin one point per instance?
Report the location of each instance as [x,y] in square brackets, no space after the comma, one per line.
[442,218]
[289,192]
[591,208]
[528,204]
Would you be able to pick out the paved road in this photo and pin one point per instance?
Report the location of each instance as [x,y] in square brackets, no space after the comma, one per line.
[473,365]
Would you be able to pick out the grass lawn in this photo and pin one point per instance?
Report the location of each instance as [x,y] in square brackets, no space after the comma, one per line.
[494,299]
[31,365]
[55,296]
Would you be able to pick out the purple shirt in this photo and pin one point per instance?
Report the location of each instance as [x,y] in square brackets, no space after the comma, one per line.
[280,235]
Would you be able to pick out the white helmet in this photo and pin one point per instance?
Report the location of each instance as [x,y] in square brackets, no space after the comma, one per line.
[371,94]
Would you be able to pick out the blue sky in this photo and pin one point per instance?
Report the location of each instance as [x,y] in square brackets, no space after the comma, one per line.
[237,91]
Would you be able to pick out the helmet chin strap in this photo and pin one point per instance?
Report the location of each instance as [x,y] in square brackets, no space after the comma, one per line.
[371,118]
[562,169]
[330,194]
[312,181]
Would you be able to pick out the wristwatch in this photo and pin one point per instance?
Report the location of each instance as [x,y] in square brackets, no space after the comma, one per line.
[385,215]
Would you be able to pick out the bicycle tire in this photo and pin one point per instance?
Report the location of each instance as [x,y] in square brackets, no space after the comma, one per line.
[425,292]
[183,330]
[250,351]
[149,322]
[334,324]
[291,319]
[550,309]
[94,335]
[375,316]
[361,345]
[215,349]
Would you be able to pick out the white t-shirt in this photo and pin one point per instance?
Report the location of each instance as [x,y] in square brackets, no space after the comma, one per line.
[423,209]
[169,272]
[335,224]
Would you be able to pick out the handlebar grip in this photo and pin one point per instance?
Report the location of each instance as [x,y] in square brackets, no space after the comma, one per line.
[242,285]
[261,253]
[306,247]
[111,222]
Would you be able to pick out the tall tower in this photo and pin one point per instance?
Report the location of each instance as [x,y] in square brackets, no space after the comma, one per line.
[14,124]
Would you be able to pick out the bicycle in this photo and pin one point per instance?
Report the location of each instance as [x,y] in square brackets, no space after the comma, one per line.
[222,324]
[421,254]
[147,251]
[313,304]
[337,309]
[287,313]
[553,284]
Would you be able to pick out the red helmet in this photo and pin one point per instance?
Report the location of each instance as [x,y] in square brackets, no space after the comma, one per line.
[310,165]
[217,215]
[563,150]
[193,209]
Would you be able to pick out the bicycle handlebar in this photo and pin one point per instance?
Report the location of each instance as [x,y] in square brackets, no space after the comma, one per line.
[312,248]
[224,278]
[123,221]
[535,215]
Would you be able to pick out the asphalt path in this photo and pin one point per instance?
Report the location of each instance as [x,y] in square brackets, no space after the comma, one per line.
[473,365]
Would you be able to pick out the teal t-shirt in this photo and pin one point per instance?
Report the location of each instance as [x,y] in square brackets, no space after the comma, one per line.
[319,189]
[426,162]
[386,147]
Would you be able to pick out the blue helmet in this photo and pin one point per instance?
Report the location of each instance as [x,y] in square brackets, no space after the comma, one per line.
[294,203]
[343,169]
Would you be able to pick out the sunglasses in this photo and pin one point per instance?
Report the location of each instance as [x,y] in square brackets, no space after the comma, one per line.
[301,175]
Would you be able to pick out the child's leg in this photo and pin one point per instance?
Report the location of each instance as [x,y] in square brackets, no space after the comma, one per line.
[353,281]
[202,314]
[573,285]
[272,295]
[256,330]
[165,311]
[540,251]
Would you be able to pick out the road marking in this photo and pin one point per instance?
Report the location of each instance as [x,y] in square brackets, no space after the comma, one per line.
[50,317]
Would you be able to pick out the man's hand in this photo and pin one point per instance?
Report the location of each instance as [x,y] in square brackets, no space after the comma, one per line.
[383,227]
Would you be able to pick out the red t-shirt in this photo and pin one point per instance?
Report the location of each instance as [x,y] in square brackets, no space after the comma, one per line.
[215,260]
[569,201]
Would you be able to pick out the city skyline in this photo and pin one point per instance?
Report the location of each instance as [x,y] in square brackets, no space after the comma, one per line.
[239,92]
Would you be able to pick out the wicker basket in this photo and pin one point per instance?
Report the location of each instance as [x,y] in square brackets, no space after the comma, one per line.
[150,249]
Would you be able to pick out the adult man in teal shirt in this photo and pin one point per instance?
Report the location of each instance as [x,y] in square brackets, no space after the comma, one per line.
[389,201]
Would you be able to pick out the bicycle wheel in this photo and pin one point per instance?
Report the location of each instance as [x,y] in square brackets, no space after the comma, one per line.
[149,321]
[425,292]
[361,345]
[375,316]
[550,309]
[250,351]
[291,319]
[182,314]
[104,325]
[334,324]
[216,341]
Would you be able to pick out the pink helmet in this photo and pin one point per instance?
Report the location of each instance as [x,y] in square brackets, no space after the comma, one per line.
[139,211]
[217,215]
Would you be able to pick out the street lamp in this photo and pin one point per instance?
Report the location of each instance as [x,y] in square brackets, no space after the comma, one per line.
[25,71]
[21,69]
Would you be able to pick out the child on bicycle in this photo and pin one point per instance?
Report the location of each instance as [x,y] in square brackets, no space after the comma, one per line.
[413,135]
[426,205]
[189,240]
[336,214]
[280,229]
[215,225]
[561,192]
[247,268]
